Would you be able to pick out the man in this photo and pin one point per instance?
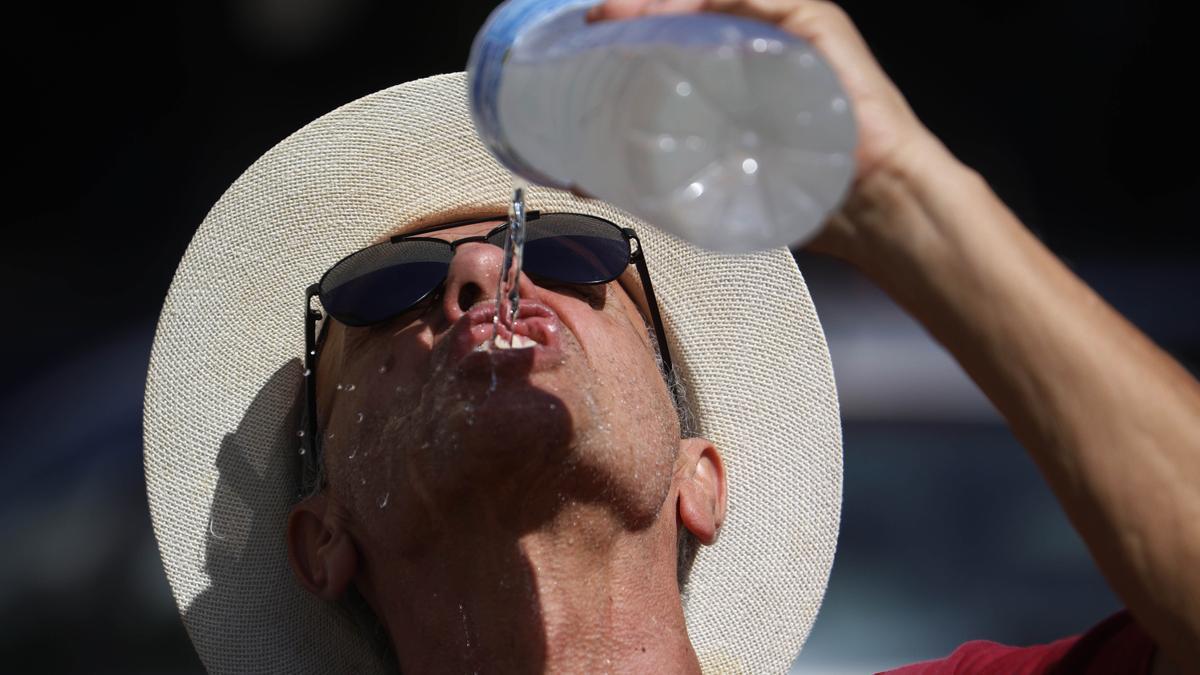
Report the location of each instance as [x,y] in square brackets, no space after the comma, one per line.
[527,509]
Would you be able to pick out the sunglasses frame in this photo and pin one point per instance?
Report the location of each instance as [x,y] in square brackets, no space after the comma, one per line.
[310,449]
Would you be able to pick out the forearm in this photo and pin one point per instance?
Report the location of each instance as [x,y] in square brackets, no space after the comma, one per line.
[1111,420]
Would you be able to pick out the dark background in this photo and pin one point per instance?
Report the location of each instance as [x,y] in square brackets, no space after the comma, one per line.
[127,121]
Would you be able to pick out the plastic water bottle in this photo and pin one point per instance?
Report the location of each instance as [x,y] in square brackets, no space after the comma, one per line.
[728,132]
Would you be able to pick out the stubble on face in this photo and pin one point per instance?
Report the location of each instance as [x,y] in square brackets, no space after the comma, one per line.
[419,444]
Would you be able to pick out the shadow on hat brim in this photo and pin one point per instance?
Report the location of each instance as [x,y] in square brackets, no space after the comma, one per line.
[220,407]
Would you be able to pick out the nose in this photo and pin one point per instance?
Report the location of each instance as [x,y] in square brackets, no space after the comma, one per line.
[473,276]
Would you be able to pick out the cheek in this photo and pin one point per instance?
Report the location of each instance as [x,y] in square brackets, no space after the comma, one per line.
[621,355]
[381,375]
[609,340]
[384,363]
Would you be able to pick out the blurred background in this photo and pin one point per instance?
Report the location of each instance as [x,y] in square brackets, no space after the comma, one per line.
[128,120]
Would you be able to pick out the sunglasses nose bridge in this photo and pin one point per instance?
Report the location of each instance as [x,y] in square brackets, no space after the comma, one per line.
[466,240]
[473,275]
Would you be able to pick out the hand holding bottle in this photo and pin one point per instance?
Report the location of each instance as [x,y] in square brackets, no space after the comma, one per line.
[1111,420]
[891,140]
[724,130]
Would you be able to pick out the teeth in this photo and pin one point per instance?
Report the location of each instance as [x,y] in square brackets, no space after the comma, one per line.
[519,342]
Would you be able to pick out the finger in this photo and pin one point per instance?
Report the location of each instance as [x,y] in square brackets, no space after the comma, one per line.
[771,11]
[611,10]
[674,7]
[831,31]
[825,25]
[809,19]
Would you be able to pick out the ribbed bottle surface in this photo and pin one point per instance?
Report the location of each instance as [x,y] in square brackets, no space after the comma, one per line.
[727,132]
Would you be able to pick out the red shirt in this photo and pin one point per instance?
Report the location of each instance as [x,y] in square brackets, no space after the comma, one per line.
[1118,646]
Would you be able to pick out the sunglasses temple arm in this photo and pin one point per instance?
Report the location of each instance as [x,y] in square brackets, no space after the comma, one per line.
[311,316]
[639,260]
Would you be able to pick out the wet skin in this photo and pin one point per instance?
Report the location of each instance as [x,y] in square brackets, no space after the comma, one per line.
[434,435]
[511,511]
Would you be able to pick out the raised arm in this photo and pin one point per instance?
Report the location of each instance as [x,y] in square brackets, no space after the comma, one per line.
[1111,420]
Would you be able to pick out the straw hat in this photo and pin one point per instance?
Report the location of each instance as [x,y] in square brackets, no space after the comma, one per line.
[221,408]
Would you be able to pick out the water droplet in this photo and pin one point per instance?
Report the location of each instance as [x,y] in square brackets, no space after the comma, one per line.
[838,104]
[694,190]
[300,433]
[382,369]
[302,449]
[759,45]
[330,436]
[307,372]
[312,353]
[362,481]
[667,143]
[806,60]
[340,387]
[683,88]
[349,387]
[384,499]
[749,166]
[359,418]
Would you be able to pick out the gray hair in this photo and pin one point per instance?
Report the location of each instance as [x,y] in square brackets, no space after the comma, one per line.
[686,544]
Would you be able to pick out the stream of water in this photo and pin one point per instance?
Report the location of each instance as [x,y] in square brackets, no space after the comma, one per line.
[508,291]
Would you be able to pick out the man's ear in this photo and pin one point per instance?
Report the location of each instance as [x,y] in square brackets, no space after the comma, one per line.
[321,552]
[700,478]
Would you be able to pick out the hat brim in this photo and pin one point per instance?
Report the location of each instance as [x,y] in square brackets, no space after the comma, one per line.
[220,408]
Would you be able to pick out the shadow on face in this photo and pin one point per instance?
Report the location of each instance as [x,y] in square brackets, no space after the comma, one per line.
[413,418]
[429,440]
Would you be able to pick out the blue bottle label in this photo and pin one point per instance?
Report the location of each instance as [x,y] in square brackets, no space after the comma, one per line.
[509,23]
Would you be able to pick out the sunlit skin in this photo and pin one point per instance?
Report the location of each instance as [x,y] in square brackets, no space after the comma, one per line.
[551,546]
[529,527]
[1111,420]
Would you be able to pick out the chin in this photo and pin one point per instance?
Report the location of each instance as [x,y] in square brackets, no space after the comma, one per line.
[545,437]
[482,441]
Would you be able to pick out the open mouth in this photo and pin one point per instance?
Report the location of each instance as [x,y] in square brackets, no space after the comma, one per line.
[534,338]
[518,342]
[532,327]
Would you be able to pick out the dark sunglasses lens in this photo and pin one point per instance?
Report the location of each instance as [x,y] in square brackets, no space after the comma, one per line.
[382,281]
[575,249]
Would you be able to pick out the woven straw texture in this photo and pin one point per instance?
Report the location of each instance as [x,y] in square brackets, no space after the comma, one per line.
[221,416]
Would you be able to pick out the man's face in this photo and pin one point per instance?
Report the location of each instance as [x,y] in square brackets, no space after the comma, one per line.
[419,424]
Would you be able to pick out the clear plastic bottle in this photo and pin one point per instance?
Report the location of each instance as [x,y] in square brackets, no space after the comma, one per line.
[727,132]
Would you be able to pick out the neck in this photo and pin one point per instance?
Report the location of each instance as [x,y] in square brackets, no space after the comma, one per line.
[579,594]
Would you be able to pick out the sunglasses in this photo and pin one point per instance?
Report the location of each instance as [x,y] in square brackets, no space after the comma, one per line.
[383,281]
